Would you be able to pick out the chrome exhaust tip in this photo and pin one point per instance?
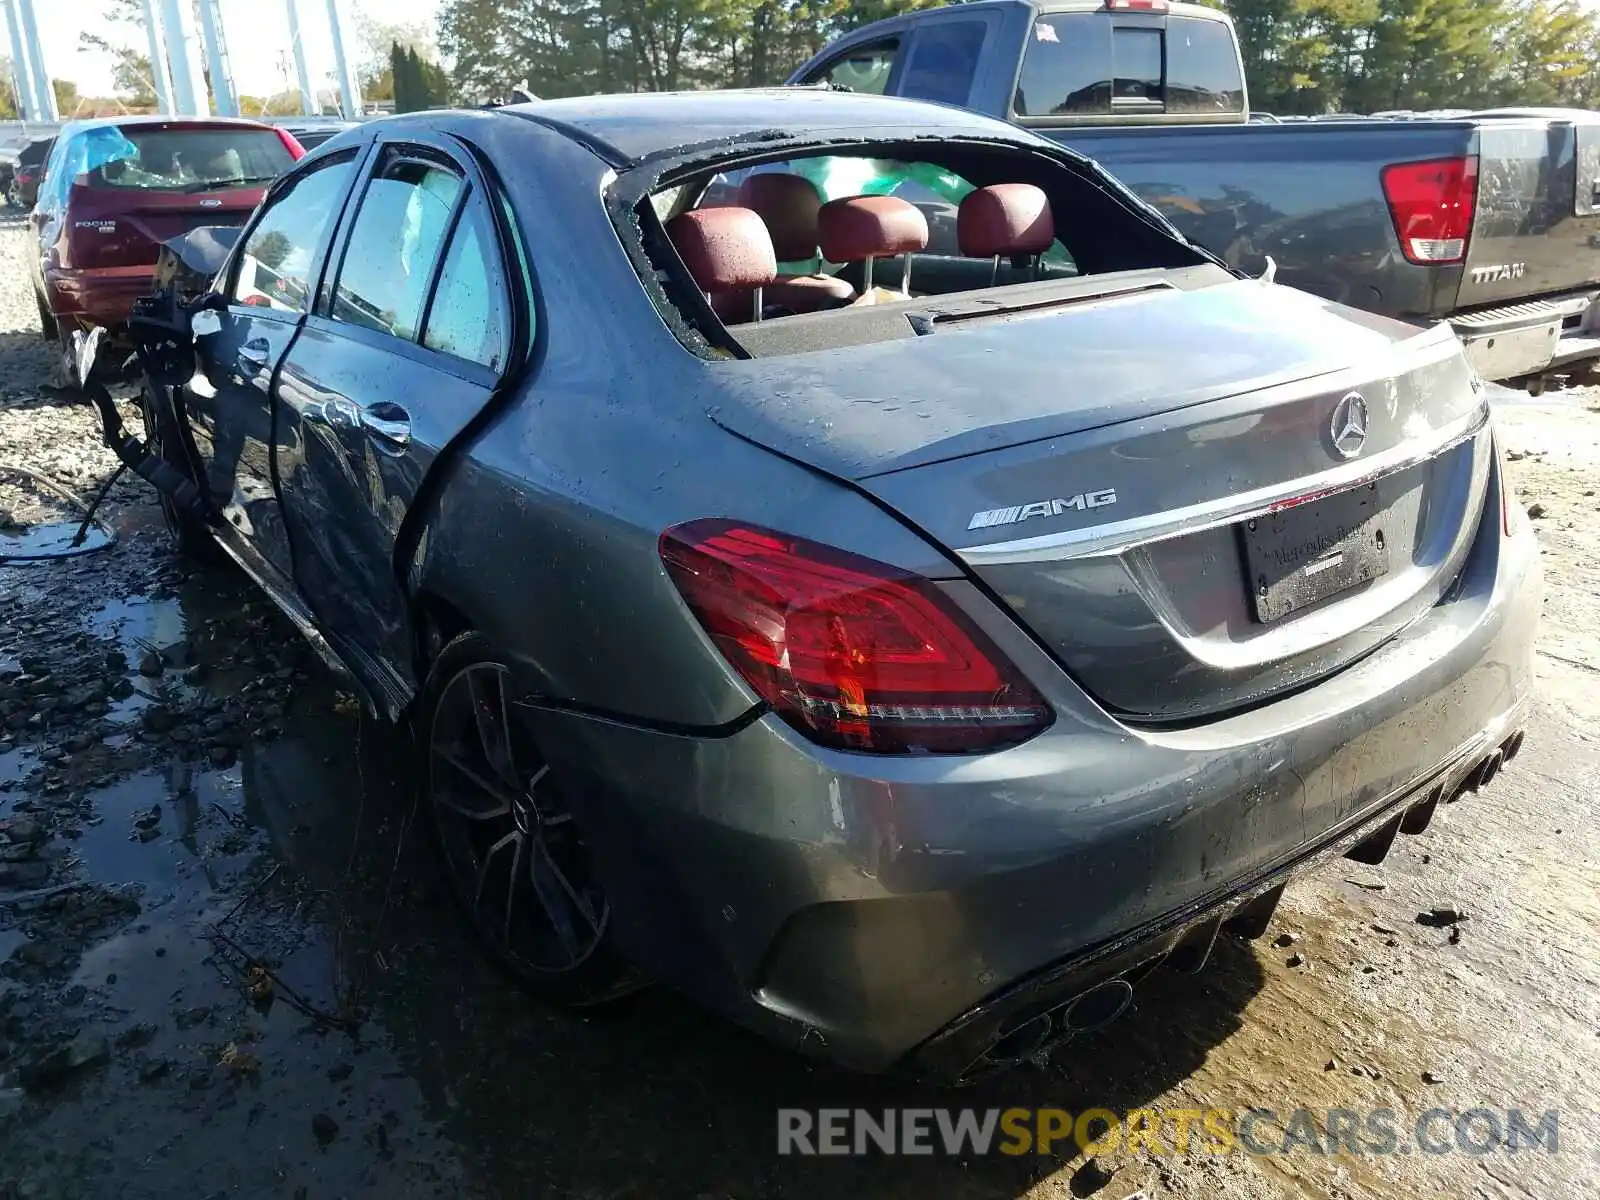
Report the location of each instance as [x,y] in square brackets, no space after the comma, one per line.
[1098,1006]
[1489,770]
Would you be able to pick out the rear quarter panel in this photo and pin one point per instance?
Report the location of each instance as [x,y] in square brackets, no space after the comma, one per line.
[545,536]
[1307,195]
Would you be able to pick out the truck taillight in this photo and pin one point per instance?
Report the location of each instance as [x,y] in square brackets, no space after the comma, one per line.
[1432,204]
[851,652]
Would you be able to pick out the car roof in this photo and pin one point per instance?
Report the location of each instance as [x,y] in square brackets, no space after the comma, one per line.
[637,125]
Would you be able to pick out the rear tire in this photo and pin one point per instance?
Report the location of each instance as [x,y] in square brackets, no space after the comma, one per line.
[189,536]
[513,856]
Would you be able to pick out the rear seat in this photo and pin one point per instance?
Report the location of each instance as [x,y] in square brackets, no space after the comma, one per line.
[1005,220]
[864,228]
[729,254]
[789,205]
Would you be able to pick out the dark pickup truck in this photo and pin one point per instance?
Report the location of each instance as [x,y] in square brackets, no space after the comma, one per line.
[1490,222]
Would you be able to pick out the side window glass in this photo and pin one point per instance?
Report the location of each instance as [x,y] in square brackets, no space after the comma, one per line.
[1065,69]
[1202,67]
[54,186]
[944,61]
[1138,66]
[274,267]
[468,317]
[864,69]
[394,244]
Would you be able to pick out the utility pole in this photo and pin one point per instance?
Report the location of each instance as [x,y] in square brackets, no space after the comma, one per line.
[44,95]
[349,91]
[160,80]
[183,57]
[223,97]
[308,98]
[21,69]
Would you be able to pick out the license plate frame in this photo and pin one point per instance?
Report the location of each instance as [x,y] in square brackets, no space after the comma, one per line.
[1301,556]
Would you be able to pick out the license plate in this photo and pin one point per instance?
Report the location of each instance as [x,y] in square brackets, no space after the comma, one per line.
[1303,555]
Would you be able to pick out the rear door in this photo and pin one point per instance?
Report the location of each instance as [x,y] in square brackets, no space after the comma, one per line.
[238,347]
[1536,230]
[406,348]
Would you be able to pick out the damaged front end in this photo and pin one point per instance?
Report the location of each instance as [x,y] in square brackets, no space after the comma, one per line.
[160,363]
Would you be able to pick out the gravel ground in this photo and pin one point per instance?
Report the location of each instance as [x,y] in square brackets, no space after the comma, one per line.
[227,968]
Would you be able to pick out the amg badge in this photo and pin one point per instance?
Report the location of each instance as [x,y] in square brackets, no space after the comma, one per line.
[1042,508]
[1498,272]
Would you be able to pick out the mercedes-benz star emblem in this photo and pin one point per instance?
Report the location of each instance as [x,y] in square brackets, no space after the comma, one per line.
[1348,428]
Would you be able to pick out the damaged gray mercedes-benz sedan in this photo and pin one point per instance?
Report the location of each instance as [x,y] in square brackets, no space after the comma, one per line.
[850,559]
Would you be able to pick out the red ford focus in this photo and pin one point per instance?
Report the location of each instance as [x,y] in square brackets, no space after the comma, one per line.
[116,189]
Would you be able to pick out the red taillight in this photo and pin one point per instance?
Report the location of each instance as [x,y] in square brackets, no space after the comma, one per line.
[1432,205]
[1137,5]
[851,652]
[290,143]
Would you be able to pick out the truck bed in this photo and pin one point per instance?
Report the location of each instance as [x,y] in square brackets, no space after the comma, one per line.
[1310,196]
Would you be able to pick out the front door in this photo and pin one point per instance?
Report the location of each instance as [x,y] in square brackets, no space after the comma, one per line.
[405,351]
[239,347]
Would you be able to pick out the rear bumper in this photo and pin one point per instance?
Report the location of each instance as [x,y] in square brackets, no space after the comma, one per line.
[97,296]
[886,912]
[1531,338]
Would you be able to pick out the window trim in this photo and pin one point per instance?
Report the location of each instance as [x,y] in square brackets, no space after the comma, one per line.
[228,277]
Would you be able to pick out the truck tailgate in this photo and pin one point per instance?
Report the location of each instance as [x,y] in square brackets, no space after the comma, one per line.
[1537,228]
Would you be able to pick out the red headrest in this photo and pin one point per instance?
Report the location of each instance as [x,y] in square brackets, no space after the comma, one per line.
[870,227]
[724,248]
[1005,218]
[789,205]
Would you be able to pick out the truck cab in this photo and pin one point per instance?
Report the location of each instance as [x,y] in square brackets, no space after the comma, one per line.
[1081,62]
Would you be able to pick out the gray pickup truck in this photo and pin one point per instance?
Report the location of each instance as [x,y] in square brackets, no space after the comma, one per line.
[1490,222]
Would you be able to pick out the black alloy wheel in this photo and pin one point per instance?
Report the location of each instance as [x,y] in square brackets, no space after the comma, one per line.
[512,853]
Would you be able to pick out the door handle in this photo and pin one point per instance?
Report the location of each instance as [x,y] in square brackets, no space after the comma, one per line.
[254,352]
[387,422]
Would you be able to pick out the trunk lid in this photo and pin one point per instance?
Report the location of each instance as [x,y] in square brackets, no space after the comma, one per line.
[1097,470]
[126,229]
[1536,228]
